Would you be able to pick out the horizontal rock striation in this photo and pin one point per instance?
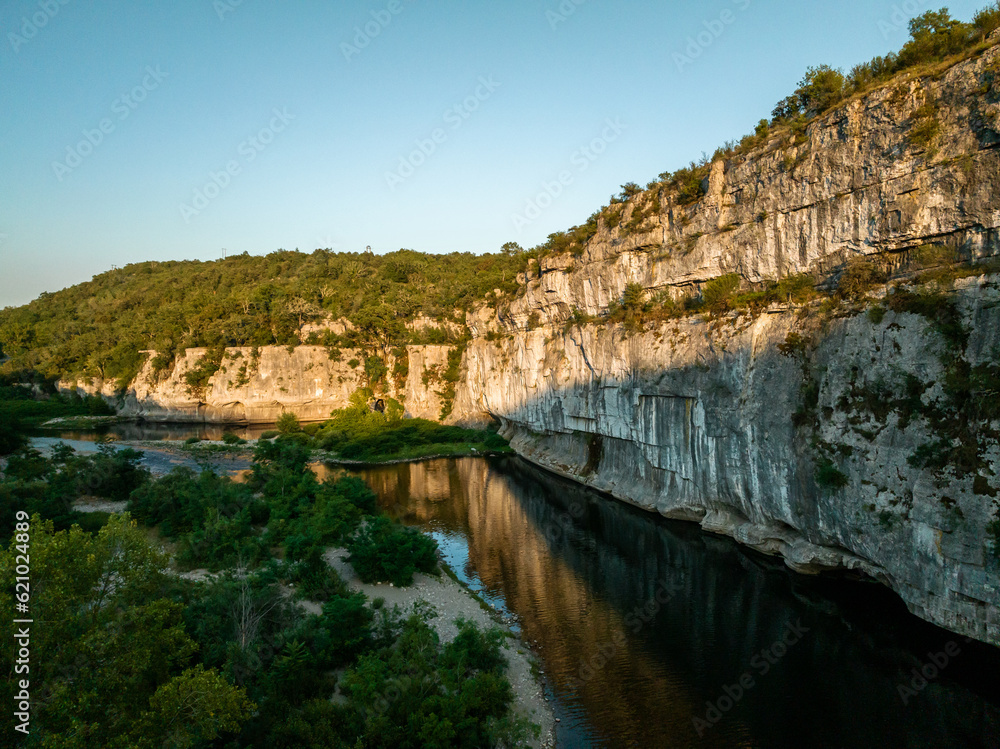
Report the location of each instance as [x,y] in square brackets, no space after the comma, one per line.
[707,421]
[249,389]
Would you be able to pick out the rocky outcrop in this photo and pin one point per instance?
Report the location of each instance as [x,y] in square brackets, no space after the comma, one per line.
[798,446]
[786,448]
[694,420]
[856,182]
[257,388]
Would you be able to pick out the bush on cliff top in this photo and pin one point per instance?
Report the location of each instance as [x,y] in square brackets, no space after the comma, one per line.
[934,37]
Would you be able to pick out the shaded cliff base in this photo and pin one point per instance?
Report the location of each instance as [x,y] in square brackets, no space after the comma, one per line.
[859,437]
[569,457]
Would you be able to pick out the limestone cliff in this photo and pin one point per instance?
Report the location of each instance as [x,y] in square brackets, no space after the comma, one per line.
[709,421]
[257,387]
[804,446]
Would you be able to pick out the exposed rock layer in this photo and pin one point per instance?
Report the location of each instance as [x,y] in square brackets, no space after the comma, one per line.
[694,419]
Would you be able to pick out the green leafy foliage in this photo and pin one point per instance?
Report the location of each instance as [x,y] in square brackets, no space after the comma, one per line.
[717,292]
[99,328]
[382,551]
[360,434]
[859,276]
[829,476]
[50,486]
[288,423]
[420,694]
[132,657]
[20,404]
[113,664]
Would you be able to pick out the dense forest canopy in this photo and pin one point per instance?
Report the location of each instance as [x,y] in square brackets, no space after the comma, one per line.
[100,328]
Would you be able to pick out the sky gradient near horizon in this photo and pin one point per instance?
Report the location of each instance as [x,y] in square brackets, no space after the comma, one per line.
[139,130]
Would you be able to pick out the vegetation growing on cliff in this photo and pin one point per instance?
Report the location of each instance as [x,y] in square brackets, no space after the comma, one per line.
[960,412]
[356,433]
[936,39]
[100,328]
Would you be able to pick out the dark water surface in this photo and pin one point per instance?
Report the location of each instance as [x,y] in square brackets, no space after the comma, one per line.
[642,623]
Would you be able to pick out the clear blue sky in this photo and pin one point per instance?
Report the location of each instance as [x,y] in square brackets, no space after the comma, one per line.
[318,176]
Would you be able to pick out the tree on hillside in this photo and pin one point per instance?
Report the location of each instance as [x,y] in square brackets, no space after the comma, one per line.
[934,35]
[820,88]
[127,679]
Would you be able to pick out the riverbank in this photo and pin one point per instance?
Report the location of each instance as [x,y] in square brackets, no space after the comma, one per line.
[208,451]
[452,600]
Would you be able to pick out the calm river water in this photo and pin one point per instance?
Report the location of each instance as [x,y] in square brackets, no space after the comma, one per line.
[644,625]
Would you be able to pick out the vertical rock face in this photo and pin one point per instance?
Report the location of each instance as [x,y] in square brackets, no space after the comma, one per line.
[258,388]
[857,182]
[694,420]
[426,364]
[807,452]
[804,452]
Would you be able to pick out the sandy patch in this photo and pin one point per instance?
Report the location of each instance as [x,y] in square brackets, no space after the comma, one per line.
[452,601]
[96,504]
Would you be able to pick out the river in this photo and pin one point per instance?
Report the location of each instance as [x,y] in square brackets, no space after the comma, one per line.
[653,633]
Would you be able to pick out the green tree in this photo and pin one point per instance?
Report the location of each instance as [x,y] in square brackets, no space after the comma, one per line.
[288,423]
[634,297]
[820,89]
[934,35]
[111,659]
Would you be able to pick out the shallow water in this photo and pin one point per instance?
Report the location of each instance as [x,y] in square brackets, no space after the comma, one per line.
[146,430]
[647,627]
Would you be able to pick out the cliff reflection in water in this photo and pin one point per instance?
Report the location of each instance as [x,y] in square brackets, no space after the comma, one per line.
[641,623]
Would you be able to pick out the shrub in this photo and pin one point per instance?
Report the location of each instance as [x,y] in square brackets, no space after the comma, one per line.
[934,36]
[288,423]
[232,439]
[987,20]
[719,291]
[634,297]
[11,436]
[932,256]
[820,88]
[828,476]
[858,278]
[383,551]
[375,370]
[629,190]
[688,182]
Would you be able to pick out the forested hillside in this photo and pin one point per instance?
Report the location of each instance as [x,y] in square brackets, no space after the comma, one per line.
[99,328]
